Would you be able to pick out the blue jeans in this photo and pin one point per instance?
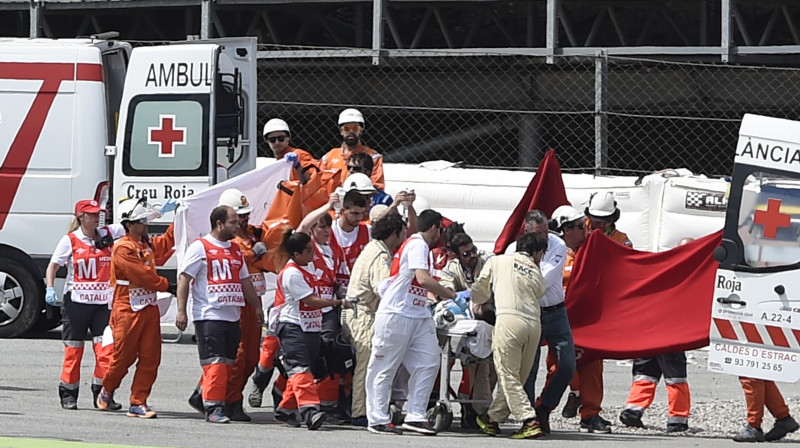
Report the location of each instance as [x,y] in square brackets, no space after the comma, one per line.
[556,331]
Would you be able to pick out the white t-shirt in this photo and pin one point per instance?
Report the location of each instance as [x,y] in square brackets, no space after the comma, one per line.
[398,298]
[62,256]
[347,239]
[552,266]
[194,264]
[295,289]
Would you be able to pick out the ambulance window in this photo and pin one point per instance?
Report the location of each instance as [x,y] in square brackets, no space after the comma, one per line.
[769,220]
[166,136]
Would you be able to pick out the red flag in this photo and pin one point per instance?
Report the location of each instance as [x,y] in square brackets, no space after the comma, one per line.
[623,303]
[545,192]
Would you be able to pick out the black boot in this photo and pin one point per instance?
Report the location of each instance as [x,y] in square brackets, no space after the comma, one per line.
[260,381]
[69,397]
[235,412]
[96,388]
[196,400]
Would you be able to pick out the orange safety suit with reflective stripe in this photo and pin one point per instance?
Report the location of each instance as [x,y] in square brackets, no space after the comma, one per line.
[308,164]
[646,374]
[247,353]
[137,334]
[337,159]
[759,393]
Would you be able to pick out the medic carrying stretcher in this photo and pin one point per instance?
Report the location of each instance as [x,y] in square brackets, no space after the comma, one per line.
[755,319]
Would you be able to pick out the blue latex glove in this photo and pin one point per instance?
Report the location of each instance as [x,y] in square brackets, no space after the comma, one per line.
[292,157]
[462,297]
[259,249]
[51,297]
[169,206]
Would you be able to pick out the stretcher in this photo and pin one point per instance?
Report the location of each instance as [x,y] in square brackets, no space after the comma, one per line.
[470,341]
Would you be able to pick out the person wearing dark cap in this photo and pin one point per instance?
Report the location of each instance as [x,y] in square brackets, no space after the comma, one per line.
[86,252]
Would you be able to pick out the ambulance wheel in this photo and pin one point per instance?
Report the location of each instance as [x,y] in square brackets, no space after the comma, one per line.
[21,296]
[440,416]
[396,414]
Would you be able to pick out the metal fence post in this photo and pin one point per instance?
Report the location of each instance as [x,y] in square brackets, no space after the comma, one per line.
[205,19]
[529,152]
[377,30]
[600,116]
[35,11]
[726,29]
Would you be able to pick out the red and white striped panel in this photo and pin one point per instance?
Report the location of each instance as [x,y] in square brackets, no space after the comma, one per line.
[749,333]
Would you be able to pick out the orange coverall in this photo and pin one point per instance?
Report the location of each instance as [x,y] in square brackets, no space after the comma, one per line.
[759,393]
[336,159]
[137,334]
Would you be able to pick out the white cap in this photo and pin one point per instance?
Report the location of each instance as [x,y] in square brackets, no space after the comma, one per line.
[359,182]
[276,124]
[376,211]
[602,205]
[234,199]
[351,116]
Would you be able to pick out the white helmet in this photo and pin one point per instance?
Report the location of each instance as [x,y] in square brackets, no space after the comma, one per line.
[274,125]
[359,182]
[603,206]
[351,116]
[376,211]
[136,209]
[564,215]
[421,204]
[234,199]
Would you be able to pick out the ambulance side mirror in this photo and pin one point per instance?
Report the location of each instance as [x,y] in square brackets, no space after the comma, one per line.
[111,151]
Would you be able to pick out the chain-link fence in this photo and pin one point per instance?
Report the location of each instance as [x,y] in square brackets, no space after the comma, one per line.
[606,114]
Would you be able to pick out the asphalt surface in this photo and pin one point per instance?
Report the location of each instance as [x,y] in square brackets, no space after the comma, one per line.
[31,414]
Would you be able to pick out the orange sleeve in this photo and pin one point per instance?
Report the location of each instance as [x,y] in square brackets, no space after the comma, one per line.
[129,264]
[377,173]
[247,252]
[307,161]
[163,244]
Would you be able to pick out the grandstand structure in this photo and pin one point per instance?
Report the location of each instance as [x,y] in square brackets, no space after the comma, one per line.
[758,31]
[612,85]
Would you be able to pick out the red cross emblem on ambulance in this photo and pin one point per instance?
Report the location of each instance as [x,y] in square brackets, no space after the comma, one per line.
[166,135]
[772,219]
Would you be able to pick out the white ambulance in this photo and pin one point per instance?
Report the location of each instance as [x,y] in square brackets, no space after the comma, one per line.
[755,319]
[94,118]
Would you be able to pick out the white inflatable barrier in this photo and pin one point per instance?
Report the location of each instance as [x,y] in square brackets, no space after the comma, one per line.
[657,210]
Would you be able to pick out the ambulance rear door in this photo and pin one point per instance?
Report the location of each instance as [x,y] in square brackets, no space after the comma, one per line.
[755,318]
[185,120]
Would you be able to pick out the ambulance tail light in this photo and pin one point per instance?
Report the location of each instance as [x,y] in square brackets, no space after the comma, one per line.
[101,195]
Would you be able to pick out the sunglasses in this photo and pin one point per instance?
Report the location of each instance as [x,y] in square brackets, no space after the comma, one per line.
[356,168]
[467,253]
[351,127]
[581,226]
[279,138]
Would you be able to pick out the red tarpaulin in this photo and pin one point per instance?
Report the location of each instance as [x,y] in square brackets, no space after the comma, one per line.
[545,192]
[623,303]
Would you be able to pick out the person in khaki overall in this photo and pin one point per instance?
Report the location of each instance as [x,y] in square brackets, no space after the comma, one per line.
[517,284]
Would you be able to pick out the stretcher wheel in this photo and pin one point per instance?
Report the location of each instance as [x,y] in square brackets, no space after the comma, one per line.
[440,416]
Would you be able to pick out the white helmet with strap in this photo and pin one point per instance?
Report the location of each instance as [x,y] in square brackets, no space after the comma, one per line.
[359,182]
[564,214]
[602,206]
[351,116]
[137,209]
[234,199]
[274,125]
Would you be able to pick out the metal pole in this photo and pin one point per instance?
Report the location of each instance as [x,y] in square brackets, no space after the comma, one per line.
[552,29]
[34,18]
[529,153]
[600,116]
[377,30]
[726,30]
[205,19]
